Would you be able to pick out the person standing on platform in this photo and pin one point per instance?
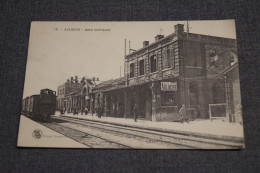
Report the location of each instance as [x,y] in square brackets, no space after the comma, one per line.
[86,110]
[62,111]
[75,111]
[99,111]
[183,114]
[135,113]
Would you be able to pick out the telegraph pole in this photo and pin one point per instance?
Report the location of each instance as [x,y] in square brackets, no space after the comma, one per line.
[188,27]
[185,85]
[125,47]
[120,71]
[129,46]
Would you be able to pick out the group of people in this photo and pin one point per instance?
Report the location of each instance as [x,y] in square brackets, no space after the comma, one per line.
[99,110]
[75,111]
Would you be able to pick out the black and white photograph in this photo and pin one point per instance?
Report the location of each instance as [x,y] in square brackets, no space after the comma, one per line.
[132,85]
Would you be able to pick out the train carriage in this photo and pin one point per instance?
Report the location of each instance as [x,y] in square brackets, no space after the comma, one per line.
[25,106]
[34,105]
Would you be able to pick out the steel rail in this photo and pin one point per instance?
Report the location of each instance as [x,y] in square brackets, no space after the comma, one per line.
[176,136]
[115,130]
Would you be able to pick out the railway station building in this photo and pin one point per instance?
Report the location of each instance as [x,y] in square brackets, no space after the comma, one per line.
[74,93]
[179,69]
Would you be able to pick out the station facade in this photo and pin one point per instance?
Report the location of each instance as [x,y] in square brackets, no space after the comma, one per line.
[179,69]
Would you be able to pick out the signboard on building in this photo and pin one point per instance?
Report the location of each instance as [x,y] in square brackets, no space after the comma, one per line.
[218,110]
[168,86]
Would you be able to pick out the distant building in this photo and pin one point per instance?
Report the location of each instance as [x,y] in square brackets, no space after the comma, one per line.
[181,68]
[64,92]
[74,93]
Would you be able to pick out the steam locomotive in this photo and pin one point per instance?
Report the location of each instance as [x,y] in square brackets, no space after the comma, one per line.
[42,106]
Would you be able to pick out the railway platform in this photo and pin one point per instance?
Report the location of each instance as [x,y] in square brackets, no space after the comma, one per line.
[203,128]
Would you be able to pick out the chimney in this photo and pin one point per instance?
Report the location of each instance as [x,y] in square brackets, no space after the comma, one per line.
[145,43]
[179,29]
[158,37]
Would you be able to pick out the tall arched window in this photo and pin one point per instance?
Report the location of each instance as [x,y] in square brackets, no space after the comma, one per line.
[153,63]
[172,59]
[141,67]
[164,59]
[132,70]
[168,58]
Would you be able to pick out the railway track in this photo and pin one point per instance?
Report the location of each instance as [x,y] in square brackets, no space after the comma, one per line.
[90,140]
[127,137]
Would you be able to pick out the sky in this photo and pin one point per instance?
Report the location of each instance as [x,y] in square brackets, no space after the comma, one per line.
[60,50]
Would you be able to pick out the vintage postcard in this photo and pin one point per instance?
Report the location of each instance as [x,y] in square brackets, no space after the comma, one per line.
[132,85]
